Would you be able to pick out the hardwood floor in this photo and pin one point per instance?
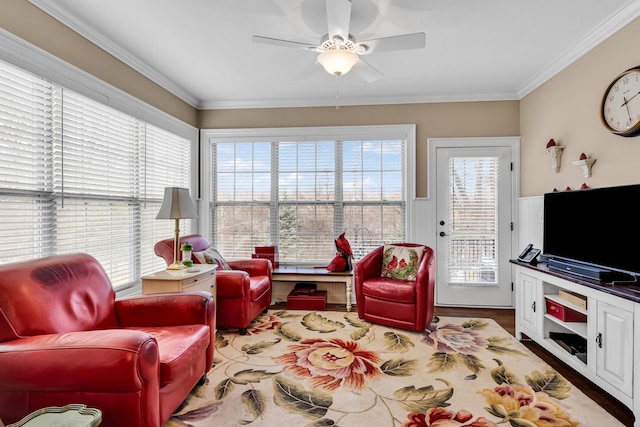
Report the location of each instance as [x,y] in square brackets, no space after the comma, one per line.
[506,319]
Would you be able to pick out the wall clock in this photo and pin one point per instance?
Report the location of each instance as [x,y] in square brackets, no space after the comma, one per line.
[620,108]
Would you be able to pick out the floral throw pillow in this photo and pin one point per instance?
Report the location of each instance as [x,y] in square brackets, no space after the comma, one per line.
[401,262]
[212,256]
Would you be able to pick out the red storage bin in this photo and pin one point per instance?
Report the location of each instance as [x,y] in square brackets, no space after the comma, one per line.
[563,313]
[267,252]
[316,301]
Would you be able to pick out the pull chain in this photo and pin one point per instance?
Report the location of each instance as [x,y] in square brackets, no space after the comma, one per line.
[337,92]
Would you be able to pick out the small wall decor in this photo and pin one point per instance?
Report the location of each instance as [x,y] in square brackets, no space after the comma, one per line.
[554,151]
[585,163]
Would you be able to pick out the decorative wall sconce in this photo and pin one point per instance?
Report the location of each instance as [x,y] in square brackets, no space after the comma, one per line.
[555,152]
[585,163]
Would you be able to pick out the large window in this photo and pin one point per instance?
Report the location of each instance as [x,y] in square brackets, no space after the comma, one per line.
[79,176]
[300,193]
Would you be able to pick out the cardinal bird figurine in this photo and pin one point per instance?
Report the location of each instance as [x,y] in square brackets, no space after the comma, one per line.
[342,260]
[342,244]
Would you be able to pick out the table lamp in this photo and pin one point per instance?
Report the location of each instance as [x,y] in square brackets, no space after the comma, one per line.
[176,205]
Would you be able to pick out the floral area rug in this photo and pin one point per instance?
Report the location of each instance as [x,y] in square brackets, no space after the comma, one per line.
[297,368]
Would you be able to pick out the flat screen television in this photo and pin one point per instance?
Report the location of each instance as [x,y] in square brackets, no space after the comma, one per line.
[597,230]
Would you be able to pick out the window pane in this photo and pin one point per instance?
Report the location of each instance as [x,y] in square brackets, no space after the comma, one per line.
[318,190]
[240,228]
[473,220]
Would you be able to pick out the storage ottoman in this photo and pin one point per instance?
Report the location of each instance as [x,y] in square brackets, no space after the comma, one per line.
[316,301]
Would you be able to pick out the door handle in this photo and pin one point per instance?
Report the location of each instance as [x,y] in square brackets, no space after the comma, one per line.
[599,339]
[442,234]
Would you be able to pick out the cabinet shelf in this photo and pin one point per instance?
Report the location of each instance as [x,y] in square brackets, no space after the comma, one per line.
[556,298]
[561,352]
[579,328]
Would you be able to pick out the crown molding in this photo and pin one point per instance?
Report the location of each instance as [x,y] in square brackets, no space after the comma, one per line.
[597,36]
[67,18]
[347,101]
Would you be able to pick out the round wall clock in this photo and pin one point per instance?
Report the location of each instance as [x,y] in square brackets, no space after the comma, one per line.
[620,108]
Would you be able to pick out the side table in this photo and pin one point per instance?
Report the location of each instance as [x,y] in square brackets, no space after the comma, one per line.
[74,415]
[200,277]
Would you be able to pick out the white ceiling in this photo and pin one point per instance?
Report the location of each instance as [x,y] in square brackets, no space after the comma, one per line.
[201,50]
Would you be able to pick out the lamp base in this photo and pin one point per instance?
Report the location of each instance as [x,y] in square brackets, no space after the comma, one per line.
[175,266]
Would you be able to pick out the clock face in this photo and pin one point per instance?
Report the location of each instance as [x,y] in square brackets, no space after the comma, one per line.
[621,104]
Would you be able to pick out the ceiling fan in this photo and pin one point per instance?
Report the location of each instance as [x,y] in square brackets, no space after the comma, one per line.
[339,51]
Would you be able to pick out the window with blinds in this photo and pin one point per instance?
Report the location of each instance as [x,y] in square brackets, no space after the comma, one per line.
[79,176]
[300,195]
[473,221]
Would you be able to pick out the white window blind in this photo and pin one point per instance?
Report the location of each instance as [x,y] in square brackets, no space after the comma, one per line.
[473,222]
[79,176]
[300,195]
[26,129]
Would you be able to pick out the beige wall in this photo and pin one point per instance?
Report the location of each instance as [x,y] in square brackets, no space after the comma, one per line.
[31,24]
[567,108]
[464,119]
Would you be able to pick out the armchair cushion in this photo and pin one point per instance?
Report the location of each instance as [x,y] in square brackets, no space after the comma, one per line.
[401,262]
[211,256]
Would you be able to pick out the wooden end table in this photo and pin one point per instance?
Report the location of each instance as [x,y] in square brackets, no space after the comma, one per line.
[310,274]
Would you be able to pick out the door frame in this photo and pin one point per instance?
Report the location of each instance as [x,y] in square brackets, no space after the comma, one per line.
[513,142]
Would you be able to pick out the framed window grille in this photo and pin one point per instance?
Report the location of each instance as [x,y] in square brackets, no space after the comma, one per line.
[300,193]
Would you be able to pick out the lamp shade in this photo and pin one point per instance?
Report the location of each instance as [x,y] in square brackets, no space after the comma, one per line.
[337,61]
[177,204]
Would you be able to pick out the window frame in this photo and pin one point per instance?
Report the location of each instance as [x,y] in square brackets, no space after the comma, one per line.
[406,132]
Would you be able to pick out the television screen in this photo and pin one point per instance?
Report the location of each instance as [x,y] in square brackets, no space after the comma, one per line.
[599,227]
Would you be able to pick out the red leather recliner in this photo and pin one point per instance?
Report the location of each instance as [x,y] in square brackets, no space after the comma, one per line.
[64,338]
[393,302]
[242,293]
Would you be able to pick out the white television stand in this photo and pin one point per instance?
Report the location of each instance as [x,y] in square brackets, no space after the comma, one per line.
[611,329]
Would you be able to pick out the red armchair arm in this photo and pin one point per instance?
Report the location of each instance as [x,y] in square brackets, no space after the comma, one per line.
[232,283]
[367,267]
[171,309]
[254,266]
[104,361]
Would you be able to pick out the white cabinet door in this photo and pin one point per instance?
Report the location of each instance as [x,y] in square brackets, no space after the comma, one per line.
[614,346]
[529,309]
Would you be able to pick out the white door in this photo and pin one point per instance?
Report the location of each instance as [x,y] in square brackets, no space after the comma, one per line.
[614,361]
[474,200]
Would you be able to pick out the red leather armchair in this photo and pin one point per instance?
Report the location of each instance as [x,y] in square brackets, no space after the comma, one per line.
[64,338]
[242,293]
[393,302]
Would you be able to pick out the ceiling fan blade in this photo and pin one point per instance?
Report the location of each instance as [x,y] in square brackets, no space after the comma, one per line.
[367,71]
[283,43]
[388,44]
[308,71]
[338,18]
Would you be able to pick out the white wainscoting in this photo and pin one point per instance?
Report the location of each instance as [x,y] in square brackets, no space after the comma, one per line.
[531,221]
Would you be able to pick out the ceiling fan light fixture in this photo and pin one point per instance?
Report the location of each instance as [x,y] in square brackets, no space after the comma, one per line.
[337,61]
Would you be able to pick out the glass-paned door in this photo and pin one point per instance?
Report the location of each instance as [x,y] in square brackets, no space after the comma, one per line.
[474,226]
